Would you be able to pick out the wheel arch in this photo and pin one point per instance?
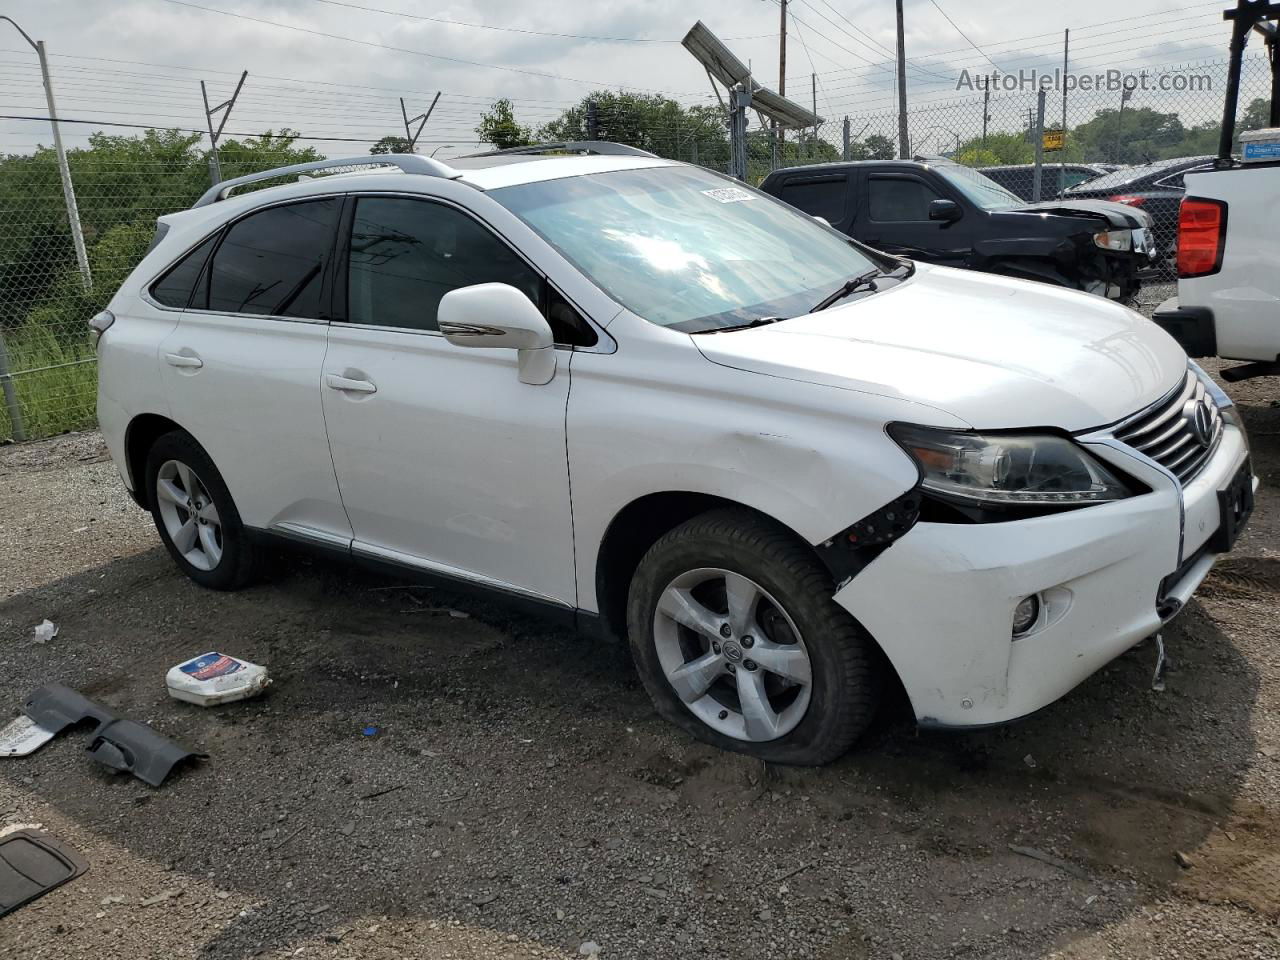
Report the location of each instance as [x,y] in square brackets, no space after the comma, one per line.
[143,431]
[637,527]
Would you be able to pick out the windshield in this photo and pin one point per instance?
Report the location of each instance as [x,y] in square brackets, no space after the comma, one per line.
[980,189]
[686,248]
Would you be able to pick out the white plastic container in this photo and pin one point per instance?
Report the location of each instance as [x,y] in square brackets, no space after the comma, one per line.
[214,678]
[1260,146]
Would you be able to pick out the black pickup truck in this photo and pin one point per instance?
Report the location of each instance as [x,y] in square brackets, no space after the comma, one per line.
[944,213]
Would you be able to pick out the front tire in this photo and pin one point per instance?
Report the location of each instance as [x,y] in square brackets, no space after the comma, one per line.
[738,641]
[195,515]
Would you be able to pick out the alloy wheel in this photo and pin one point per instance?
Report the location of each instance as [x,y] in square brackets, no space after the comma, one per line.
[732,654]
[189,515]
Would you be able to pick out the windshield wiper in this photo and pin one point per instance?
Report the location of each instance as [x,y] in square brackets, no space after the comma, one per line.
[867,279]
[757,322]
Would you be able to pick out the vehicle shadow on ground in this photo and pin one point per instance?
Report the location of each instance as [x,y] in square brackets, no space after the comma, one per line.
[519,781]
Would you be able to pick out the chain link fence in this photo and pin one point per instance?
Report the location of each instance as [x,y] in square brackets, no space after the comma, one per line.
[124,180]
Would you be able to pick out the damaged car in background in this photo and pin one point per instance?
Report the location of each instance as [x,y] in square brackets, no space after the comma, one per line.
[940,212]
[661,405]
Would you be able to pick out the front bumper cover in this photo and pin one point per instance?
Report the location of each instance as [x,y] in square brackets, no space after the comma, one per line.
[940,601]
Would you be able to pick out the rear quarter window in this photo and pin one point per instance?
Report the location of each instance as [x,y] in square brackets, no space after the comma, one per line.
[173,289]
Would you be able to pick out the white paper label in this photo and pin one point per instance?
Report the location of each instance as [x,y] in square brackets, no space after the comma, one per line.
[23,736]
[731,194]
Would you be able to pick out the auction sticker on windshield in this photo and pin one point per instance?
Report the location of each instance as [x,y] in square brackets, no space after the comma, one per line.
[730,194]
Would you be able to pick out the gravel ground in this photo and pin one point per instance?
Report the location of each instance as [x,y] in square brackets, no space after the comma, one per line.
[522,799]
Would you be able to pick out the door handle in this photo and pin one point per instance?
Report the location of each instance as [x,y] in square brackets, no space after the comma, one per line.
[183,360]
[347,385]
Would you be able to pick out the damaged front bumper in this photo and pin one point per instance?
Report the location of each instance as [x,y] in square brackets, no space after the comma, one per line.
[940,601]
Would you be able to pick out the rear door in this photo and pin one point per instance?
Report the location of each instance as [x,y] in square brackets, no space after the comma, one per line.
[826,195]
[242,367]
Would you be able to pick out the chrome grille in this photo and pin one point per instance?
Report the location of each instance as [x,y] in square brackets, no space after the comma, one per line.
[1168,431]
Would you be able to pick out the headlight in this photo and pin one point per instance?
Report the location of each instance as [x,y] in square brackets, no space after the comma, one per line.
[1007,469]
[1114,240]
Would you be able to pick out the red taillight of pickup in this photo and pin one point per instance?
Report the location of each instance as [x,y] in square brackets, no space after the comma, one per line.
[1128,199]
[1202,235]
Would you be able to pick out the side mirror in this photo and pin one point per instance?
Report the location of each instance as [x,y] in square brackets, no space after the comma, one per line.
[499,315]
[944,210]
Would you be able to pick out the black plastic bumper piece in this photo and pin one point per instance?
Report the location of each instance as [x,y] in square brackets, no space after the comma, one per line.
[1192,327]
[124,745]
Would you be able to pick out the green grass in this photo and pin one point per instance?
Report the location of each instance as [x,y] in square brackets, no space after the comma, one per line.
[55,378]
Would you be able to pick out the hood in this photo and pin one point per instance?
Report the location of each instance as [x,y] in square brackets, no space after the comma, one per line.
[994,352]
[1119,215]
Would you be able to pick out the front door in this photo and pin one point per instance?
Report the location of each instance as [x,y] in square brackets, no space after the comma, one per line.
[895,219]
[445,460]
[242,367]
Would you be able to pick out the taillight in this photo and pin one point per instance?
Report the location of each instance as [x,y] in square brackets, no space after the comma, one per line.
[99,323]
[1128,198]
[1202,235]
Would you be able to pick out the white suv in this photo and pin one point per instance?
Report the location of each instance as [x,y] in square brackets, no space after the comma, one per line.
[668,406]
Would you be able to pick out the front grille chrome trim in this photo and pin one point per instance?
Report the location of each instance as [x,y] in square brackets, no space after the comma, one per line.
[1164,433]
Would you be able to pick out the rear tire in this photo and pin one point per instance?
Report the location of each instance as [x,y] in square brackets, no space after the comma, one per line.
[739,643]
[195,515]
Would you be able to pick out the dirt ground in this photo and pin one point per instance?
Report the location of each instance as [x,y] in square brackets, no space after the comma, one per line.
[521,798]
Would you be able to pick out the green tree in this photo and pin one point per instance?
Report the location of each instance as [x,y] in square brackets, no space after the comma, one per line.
[498,126]
[1139,135]
[652,122]
[390,144]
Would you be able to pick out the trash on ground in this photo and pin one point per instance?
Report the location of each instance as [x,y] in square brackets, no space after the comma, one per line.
[214,678]
[370,731]
[44,631]
[121,744]
[1048,858]
[1162,664]
[31,864]
[22,737]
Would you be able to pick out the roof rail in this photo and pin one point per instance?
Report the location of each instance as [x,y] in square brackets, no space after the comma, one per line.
[406,162]
[602,147]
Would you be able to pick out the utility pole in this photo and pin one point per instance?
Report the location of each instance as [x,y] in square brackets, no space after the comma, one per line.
[1125,94]
[781,139]
[215,167]
[1066,48]
[986,110]
[411,136]
[844,155]
[904,149]
[1038,175]
[64,171]
[813,145]
[593,121]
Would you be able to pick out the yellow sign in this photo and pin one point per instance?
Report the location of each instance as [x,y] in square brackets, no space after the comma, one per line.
[1055,139]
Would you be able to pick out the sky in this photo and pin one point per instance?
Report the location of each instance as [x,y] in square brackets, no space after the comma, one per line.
[335,70]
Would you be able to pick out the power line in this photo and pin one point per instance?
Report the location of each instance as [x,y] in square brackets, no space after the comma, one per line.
[534,33]
[384,46]
[962,33]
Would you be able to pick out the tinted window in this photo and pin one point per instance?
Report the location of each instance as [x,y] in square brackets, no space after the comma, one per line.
[823,198]
[272,262]
[895,199]
[174,288]
[407,254]
[1072,177]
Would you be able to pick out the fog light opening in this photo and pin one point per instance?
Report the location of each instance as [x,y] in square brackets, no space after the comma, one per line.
[1025,615]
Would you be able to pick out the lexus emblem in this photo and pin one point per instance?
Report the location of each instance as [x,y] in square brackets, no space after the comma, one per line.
[1199,420]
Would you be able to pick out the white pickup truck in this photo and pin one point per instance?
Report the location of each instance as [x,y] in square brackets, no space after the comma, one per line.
[1228,302]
